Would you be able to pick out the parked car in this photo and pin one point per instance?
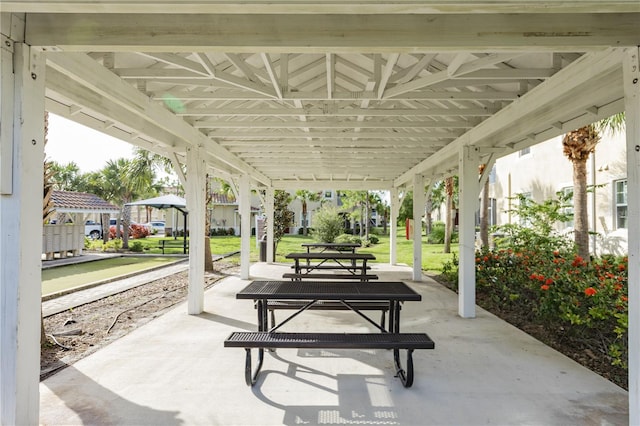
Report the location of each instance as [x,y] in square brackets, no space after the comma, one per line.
[92,229]
[155,226]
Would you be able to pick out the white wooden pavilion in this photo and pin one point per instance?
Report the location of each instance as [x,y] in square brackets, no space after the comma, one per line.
[283,94]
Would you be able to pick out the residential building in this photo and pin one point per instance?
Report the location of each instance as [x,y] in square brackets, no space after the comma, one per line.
[539,172]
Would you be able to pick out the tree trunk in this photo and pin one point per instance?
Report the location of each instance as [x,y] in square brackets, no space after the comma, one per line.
[484,215]
[208,259]
[448,228]
[126,220]
[368,219]
[580,214]
[304,218]
[427,215]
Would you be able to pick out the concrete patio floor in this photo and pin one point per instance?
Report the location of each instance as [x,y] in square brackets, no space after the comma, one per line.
[175,371]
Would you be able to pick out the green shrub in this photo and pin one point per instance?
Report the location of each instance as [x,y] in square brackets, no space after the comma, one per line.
[136,247]
[327,224]
[348,238]
[373,239]
[436,236]
[112,245]
[537,274]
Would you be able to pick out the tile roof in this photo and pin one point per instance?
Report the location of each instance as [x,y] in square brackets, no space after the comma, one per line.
[219,198]
[66,201]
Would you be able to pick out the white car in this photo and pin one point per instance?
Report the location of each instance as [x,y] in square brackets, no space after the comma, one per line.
[155,226]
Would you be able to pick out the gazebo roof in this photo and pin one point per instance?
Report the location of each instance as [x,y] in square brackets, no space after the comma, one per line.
[162,202]
[81,202]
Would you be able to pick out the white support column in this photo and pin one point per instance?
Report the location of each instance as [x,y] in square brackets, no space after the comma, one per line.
[22,80]
[469,189]
[195,193]
[393,226]
[631,77]
[245,226]
[418,211]
[270,211]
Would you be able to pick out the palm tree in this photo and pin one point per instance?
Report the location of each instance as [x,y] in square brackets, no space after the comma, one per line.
[577,145]
[306,196]
[448,229]
[446,192]
[354,201]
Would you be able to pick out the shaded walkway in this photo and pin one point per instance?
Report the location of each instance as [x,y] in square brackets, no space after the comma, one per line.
[175,370]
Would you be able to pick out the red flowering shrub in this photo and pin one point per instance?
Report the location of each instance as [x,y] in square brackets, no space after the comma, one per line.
[538,275]
[138,231]
[135,231]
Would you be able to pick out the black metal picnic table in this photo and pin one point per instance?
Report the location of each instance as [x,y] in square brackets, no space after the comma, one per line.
[394,292]
[348,294]
[337,260]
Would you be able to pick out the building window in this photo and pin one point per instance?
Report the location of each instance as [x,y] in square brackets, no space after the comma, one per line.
[568,192]
[524,151]
[621,204]
[328,194]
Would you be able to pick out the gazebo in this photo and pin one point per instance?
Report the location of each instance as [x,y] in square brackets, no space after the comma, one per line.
[169,201]
[62,238]
[304,95]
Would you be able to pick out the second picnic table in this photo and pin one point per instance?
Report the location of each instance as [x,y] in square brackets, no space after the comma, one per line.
[353,263]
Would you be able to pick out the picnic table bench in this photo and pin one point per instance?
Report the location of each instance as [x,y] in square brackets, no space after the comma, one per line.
[346,293]
[353,263]
[165,244]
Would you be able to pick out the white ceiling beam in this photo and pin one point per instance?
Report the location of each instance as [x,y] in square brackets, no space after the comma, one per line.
[341,141]
[272,74]
[237,137]
[88,73]
[342,7]
[280,33]
[346,112]
[386,73]
[411,72]
[579,73]
[236,95]
[472,71]
[456,63]
[178,61]
[331,76]
[233,80]
[272,124]
[242,66]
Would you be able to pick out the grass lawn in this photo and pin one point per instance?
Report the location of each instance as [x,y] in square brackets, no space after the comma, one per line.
[55,279]
[69,276]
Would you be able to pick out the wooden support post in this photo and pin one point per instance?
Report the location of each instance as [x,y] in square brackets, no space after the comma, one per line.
[195,194]
[631,78]
[393,226]
[469,189]
[22,138]
[245,226]
[269,210]
[418,211]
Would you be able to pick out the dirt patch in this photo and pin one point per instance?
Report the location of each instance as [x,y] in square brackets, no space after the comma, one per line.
[81,331]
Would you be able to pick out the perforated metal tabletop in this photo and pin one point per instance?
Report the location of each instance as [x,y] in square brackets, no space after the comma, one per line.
[324,290]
